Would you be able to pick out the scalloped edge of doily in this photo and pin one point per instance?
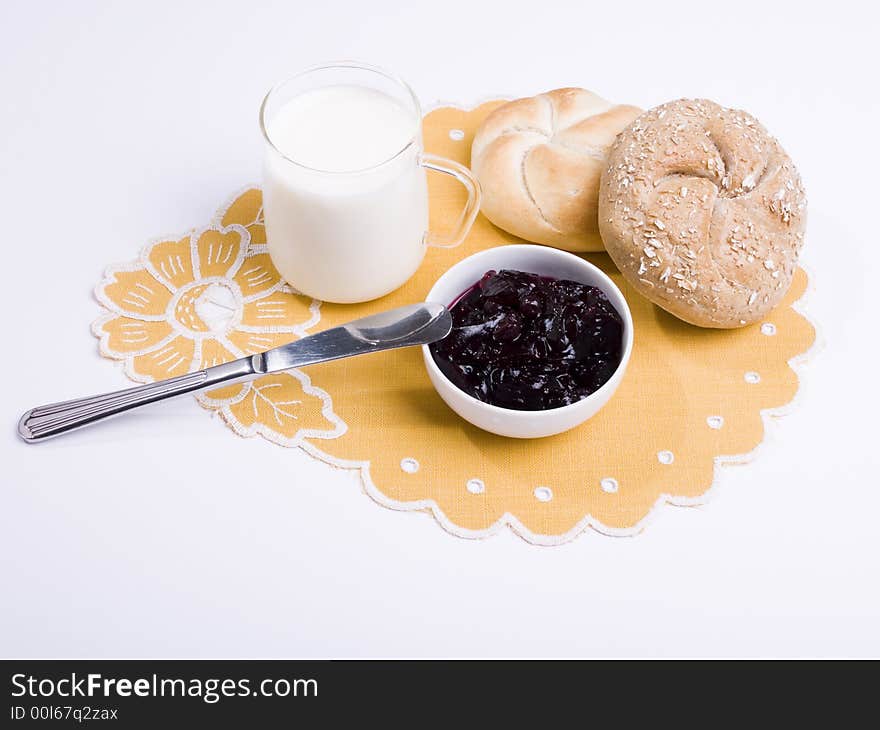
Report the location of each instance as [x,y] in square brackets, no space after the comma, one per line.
[769,417]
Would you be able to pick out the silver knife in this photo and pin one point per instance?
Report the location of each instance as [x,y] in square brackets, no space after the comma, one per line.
[415,324]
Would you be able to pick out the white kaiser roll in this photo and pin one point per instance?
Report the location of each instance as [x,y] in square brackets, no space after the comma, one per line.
[539,161]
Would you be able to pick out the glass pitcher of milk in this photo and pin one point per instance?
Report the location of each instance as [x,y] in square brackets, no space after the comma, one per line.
[345,193]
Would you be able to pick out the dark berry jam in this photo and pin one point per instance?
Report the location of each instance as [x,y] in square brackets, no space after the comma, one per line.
[529,342]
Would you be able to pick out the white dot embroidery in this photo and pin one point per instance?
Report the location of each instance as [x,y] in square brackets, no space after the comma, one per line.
[543,494]
[768,328]
[409,465]
[715,422]
[752,377]
[456,135]
[665,457]
[476,486]
[610,485]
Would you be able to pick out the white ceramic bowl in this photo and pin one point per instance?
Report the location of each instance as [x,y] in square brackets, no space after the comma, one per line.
[537,260]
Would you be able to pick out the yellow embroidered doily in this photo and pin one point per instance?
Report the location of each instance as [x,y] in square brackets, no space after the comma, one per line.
[691,398]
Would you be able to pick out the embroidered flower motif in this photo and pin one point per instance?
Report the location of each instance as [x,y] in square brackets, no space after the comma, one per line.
[207,298]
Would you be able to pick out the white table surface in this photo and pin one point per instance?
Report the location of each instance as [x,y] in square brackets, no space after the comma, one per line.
[163,534]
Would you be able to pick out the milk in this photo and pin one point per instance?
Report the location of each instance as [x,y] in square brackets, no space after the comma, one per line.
[345,199]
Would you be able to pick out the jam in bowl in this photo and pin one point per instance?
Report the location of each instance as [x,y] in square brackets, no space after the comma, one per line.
[540,340]
[529,342]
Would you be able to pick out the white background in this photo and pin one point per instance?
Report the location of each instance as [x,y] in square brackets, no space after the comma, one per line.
[165,535]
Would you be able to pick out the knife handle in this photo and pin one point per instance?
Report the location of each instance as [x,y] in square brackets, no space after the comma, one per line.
[57,418]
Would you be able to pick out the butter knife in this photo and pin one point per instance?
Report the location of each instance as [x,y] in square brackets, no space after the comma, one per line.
[415,324]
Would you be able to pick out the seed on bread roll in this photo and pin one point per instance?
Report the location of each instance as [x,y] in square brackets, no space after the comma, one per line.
[703,212]
[539,161]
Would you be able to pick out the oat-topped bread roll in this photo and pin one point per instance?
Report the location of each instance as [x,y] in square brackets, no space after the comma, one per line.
[703,212]
[539,161]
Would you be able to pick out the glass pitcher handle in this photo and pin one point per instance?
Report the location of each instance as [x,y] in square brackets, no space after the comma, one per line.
[471,208]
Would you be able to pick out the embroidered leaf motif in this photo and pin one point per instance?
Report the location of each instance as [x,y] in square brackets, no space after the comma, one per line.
[247,210]
[279,408]
[284,404]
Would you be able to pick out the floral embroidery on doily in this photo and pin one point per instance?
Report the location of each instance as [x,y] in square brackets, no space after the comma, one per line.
[208,297]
